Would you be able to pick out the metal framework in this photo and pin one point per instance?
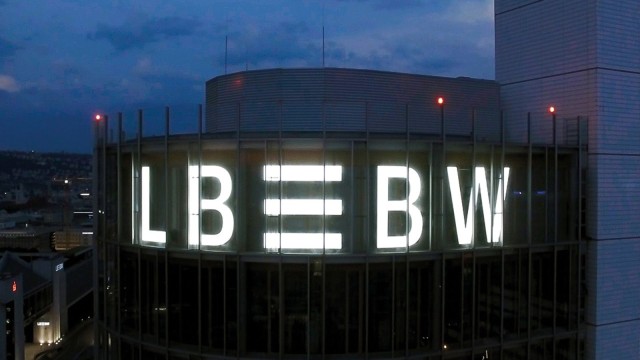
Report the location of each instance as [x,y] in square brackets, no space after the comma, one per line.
[522,299]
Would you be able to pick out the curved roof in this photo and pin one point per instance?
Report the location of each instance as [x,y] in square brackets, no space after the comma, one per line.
[348,100]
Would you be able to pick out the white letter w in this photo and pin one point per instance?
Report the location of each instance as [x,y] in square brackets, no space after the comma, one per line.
[465,228]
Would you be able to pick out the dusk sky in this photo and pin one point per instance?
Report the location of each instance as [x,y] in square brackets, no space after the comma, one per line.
[63,61]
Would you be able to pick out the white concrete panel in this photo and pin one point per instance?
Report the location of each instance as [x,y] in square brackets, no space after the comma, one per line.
[613,341]
[613,205]
[617,129]
[613,281]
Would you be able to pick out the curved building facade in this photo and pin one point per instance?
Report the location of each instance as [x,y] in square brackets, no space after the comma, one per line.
[337,213]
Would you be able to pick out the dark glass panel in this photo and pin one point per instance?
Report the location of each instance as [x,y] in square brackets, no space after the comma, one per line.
[516,352]
[380,307]
[400,308]
[567,349]
[148,354]
[425,293]
[263,308]
[295,308]
[453,303]
[316,301]
[111,286]
[150,307]
[567,218]
[177,229]
[540,198]
[355,307]
[542,349]
[183,301]
[515,297]
[488,302]
[542,292]
[252,193]
[129,288]
[336,309]
[566,289]
[212,302]
[127,351]
[231,305]
[127,199]
[162,296]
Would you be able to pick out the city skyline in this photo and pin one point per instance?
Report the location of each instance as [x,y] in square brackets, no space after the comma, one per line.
[61,64]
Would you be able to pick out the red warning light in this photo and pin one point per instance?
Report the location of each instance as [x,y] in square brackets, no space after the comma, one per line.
[14,286]
[440,101]
[98,117]
[552,109]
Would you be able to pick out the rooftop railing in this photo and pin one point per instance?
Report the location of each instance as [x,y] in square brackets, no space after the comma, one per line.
[488,125]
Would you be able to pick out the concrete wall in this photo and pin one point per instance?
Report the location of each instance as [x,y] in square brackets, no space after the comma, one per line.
[350,100]
[583,56]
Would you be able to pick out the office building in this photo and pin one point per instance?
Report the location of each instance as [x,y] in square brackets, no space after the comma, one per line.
[584,58]
[42,296]
[338,213]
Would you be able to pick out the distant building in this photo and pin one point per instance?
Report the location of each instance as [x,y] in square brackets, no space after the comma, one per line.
[71,238]
[42,296]
[27,238]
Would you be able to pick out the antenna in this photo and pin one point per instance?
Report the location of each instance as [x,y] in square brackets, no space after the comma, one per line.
[322,45]
[323,34]
[226,46]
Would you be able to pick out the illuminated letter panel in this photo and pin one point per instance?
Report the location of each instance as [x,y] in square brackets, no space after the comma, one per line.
[464,228]
[146,233]
[385,205]
[298,207]
[206,204]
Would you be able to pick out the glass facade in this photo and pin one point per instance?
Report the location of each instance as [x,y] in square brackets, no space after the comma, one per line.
[337,245]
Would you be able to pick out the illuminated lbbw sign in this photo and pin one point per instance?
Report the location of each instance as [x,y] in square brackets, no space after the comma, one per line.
[200,202]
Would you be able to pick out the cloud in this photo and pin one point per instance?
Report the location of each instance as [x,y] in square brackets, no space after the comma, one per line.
[8,84]
[284,44]
[397,4]
[138,35]
[470,12]
[388,4]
